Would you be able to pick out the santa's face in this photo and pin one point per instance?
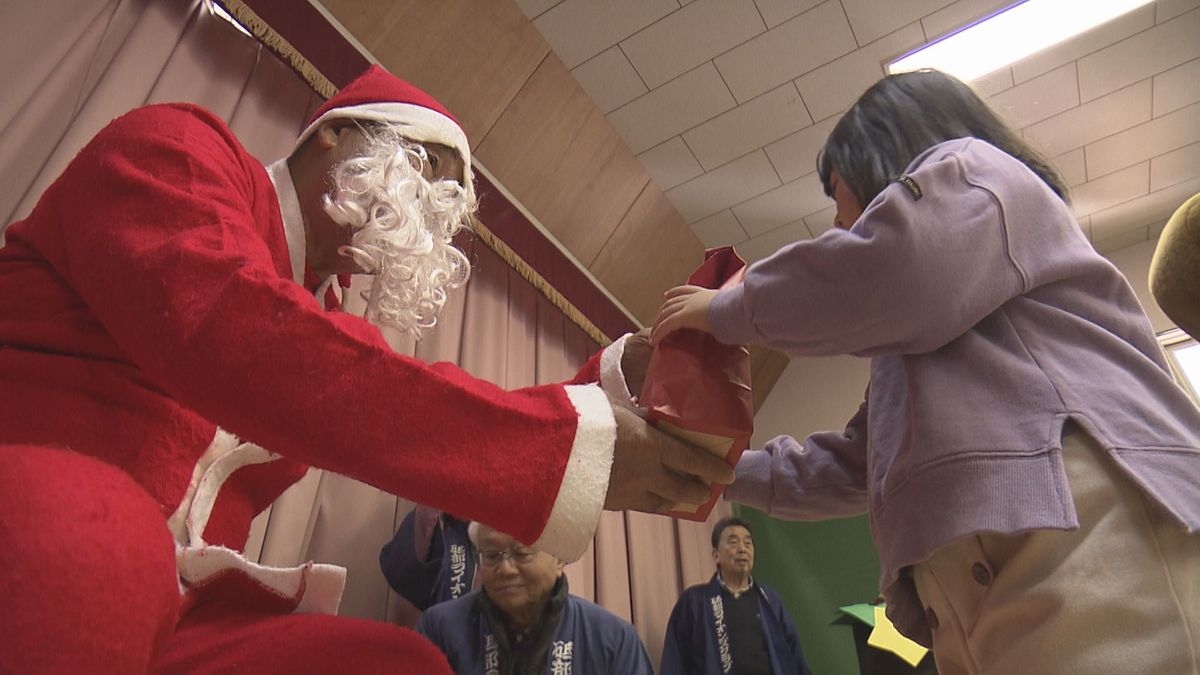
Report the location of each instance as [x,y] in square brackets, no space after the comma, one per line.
[391,208]
[346,140]
[441,163]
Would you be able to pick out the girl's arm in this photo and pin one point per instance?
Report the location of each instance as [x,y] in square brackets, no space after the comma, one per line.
[916,271]
[825,476]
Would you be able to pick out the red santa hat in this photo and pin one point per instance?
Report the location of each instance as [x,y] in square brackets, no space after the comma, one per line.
[379,96]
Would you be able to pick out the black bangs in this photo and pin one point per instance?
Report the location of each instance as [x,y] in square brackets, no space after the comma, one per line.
[902,116]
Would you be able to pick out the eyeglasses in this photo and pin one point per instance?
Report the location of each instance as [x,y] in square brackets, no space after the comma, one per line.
[493,558]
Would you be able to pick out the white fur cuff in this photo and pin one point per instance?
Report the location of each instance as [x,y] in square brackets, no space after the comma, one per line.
[612,378]
[576,512]
[315,588]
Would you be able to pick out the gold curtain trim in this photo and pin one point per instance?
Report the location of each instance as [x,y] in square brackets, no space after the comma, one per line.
[267,35]
[321,84]
[539,282]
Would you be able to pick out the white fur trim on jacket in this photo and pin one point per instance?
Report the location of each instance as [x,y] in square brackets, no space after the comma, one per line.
[612,378]
[293,229]
[293,221]
[576,512]
[314,588]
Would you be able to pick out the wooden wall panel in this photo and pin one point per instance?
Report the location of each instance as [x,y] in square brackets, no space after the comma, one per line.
[556,152]
[473,56]
[651,251]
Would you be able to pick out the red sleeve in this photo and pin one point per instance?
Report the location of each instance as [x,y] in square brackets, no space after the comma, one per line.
[160,239]
[590,371]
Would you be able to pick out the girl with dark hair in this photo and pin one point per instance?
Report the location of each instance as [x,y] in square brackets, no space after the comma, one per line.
[1030,470]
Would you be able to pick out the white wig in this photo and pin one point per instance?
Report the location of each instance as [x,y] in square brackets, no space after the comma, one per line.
[403,228]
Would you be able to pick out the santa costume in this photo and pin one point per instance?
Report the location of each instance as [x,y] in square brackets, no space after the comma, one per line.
[167,371]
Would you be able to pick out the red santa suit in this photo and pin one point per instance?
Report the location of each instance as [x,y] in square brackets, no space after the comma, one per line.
[152,318]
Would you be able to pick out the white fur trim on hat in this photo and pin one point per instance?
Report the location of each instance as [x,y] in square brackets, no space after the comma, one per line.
[416,122]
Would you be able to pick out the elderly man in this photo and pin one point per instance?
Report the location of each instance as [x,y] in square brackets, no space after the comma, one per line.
[732,624]
[524,622]
[167,369]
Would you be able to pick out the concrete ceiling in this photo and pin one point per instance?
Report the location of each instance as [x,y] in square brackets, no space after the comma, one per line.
[726,102]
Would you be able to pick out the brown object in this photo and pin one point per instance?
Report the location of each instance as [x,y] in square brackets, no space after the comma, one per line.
[698,389]
[1175,270]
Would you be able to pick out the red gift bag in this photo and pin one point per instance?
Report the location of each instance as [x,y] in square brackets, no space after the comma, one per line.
[698,389]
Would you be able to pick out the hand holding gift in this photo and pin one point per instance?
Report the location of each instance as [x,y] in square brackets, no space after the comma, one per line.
[635,358]
[652,471]
[696,388]
[685,307]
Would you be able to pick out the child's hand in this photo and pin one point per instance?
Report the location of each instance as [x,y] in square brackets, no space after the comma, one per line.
[686,307]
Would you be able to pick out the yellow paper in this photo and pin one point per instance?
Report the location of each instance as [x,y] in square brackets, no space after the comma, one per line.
[886,637]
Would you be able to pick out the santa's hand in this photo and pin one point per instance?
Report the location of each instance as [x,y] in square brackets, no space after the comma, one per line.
[685,307]
[634,360]
[654,472]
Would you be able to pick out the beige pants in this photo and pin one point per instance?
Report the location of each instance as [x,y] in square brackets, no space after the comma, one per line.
[1119,595]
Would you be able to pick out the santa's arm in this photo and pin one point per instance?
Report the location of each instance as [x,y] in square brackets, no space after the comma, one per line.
[161,242]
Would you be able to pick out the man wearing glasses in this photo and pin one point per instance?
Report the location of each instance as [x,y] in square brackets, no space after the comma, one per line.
[523,620]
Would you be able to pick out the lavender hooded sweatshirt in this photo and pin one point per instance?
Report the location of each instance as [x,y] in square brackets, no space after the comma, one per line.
[990,322]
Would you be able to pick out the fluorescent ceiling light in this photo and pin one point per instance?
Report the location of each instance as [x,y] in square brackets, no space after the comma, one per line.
[1012,34]
[1188,359]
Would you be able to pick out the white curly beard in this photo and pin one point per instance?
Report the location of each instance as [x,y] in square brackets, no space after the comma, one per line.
[403,226]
